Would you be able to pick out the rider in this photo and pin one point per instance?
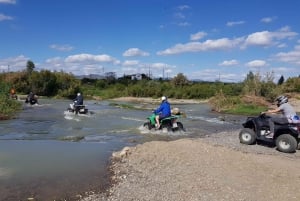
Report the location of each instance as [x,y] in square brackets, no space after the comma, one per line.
[77,102]
[287,115]
[31,98]
[13,93]
[163,111]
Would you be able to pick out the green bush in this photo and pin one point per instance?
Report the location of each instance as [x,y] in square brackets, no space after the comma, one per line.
[8,106]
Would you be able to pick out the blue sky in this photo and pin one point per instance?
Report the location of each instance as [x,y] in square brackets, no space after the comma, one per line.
[203,39]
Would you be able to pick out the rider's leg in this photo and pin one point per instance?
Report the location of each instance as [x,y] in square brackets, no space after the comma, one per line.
[272,127]
[157,121]
[278,120]
[76,109]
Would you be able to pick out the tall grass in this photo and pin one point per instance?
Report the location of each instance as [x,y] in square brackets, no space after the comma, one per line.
[8,106]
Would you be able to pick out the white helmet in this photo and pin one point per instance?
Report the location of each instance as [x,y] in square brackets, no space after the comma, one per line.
[163,98]
[78,94]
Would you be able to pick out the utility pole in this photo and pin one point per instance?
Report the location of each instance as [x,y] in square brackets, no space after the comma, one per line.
[8,73]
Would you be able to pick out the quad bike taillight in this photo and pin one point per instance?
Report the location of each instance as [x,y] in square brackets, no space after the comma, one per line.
[298,127]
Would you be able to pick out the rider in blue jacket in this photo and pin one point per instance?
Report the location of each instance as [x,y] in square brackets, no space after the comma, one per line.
[163,111]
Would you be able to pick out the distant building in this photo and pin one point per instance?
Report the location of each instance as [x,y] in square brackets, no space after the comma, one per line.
[136,76]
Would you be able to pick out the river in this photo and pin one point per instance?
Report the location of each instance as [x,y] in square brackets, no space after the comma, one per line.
[46,154]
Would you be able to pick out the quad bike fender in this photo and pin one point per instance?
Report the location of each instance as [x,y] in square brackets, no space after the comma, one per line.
[250,123]
[152,119]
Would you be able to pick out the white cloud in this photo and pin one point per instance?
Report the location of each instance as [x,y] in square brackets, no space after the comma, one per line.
[281,45]
[267,19]
[179,15]
[283,33]
[135,52]
[230,24]
[290,57]
[183,24]
[256,63]
[159,65]
[198,35]
[8,1]
[77,64]
[267,38]
[130,70]
[90,58]
[13,63]
[5,17]
[213,75]
[130,63]
[218,44]
[263,38]
[183,7]
[229,63]
[63,48]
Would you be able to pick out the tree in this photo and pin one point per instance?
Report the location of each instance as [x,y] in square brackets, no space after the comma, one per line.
[179,80]
[252,84]
[281,80]
[30,66]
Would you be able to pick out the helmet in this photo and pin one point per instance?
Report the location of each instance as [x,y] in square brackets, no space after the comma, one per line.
[163,98]
[281,99]
[78,94]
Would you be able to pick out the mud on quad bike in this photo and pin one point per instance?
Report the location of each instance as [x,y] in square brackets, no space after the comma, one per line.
[286,136]
[170,123]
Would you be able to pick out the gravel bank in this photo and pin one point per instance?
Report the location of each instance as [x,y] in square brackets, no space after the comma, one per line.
[213,168]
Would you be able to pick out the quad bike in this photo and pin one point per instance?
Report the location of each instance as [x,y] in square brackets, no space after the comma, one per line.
[77,109]
[31,100]
[170,123]
[286,136]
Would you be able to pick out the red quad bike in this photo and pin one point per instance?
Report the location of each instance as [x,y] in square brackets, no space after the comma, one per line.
[286,136]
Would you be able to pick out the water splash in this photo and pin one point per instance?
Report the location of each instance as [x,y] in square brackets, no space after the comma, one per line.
[164,131]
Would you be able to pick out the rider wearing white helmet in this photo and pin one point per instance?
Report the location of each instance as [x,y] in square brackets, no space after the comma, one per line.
[163,111]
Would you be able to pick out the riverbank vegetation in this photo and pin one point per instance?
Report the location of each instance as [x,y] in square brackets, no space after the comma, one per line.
[250,96]
[8,106]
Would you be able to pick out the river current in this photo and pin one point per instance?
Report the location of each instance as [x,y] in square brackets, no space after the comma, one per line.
[48,154]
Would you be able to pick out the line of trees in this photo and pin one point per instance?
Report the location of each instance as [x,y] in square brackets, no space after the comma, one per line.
[61,84]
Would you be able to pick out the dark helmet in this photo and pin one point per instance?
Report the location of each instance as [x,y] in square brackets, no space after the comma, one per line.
[281,99]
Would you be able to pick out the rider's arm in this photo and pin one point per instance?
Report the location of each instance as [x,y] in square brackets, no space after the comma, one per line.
[273,111]
[158,110]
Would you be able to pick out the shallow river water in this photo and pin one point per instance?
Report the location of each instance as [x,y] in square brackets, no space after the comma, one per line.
[47,154]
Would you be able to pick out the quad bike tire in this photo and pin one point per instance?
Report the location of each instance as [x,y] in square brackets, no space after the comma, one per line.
[247,136]
[179,127]
[286,143]
[147,125]
[167,126]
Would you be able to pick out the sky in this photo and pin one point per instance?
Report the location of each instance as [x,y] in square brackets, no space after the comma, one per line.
[205,40]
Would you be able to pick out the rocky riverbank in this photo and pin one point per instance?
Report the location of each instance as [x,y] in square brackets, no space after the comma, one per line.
[217,168]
